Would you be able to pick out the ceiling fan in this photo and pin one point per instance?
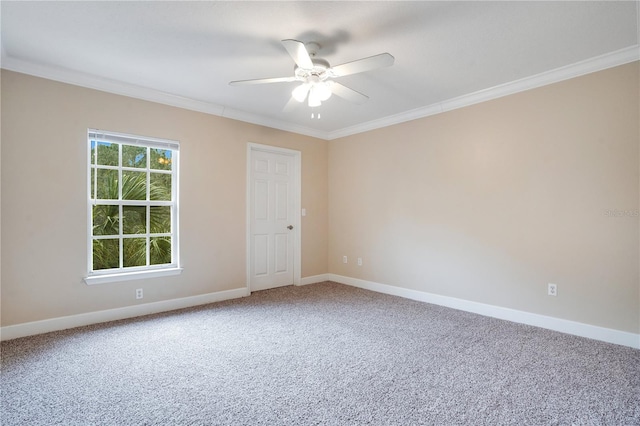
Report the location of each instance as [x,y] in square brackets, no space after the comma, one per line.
[316,75]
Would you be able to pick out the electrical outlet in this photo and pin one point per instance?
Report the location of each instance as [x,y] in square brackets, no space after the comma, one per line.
[344,259]
[552,289]
[139,294]
[359,261]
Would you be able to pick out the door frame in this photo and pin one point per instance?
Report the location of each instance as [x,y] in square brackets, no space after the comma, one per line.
[297,203]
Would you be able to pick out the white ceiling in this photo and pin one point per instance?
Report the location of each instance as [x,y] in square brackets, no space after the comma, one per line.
[447,54]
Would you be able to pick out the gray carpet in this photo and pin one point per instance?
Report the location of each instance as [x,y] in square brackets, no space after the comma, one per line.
[324,354]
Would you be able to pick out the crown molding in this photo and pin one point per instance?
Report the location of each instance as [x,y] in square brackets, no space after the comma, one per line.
[107,85]
[139,92]
[598,63]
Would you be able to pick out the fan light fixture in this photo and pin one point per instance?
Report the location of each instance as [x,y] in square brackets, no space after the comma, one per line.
[300,92]
[323,90]
[318,92]
[314,100]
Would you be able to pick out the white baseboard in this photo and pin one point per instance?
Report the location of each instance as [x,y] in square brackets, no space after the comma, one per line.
[557,324]
[551,323]
[71,321]
[315,279]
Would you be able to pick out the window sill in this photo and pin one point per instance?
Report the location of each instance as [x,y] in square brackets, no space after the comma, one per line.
[128,276]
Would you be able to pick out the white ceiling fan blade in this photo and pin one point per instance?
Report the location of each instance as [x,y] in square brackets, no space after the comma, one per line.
[347,93]
[262,81]
[361,65]
[299,53]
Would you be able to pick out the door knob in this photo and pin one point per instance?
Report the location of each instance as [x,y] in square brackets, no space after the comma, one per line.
[290,227]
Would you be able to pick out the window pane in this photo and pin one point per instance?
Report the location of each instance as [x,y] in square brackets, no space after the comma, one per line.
[105,220]
[134,156]
[106,254]
[134,219]
[134,185]
[160,250]
[161,159]
[134,252]
[160,219]
[93,152]
[107,184]
[160,186]
[107,154]
[138,180]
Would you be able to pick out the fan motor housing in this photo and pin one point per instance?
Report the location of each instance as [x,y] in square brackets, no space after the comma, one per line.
[320,66]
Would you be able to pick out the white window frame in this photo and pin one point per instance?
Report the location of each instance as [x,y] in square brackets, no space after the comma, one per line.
[129,273]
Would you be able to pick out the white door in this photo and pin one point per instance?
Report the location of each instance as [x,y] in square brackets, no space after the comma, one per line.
[272,224]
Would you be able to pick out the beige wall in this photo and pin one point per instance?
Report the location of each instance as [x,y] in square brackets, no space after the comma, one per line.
[44,220]
[488,203]
[491,202]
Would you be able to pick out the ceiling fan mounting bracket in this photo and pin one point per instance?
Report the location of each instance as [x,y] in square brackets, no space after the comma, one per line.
[312,48]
